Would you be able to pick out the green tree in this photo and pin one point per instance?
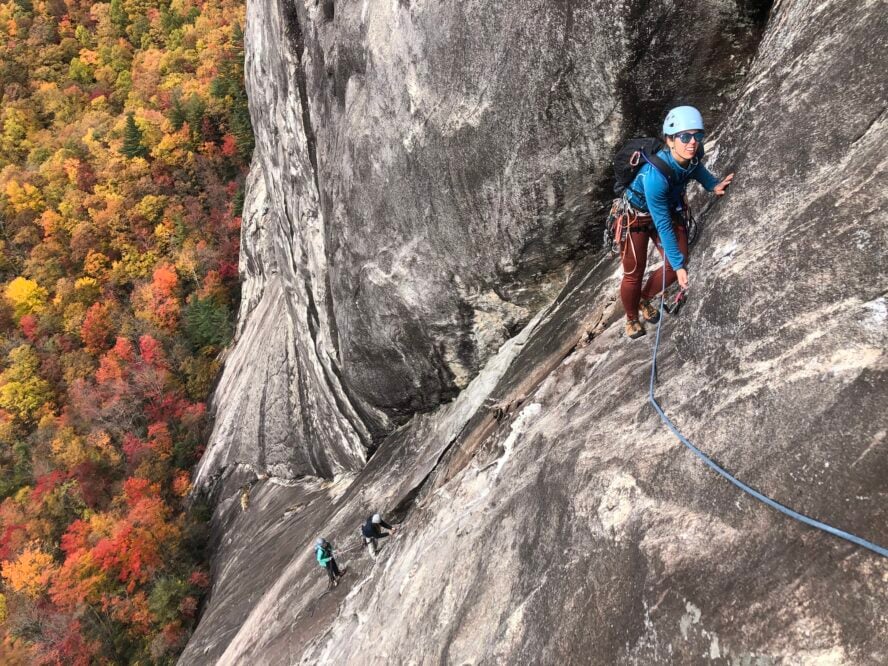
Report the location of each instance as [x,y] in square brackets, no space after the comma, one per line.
[176,113]
[80,72]
[195,109]
[240,197]
[132,139]
[15,464]
[207,323]
[119,16]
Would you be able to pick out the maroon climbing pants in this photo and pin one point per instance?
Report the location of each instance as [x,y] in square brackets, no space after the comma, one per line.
[634,258]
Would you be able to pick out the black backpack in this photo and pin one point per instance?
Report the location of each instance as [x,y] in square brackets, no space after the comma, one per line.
[632,156]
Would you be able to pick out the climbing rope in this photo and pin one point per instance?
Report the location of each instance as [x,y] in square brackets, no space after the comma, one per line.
[349,549]
[719,470]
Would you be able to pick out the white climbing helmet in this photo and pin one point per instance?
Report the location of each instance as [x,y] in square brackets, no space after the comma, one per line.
[681,119]
[376,519]
[320,543]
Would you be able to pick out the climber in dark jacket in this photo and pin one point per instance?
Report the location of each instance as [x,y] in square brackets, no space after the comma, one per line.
[371,530]
[324,555]
[655,201]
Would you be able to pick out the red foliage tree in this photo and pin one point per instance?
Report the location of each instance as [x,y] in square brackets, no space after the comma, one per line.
[28,324]
[97,328]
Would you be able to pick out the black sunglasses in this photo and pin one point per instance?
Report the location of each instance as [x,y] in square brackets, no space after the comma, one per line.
[685,137]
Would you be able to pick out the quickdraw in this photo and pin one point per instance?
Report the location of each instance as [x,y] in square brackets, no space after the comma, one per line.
[613,227]
[673,305]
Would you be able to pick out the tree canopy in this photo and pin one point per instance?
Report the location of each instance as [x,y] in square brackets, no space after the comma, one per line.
[124,144]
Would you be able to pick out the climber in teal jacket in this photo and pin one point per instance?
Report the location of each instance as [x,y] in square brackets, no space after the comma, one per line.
[657,200]
[324,556]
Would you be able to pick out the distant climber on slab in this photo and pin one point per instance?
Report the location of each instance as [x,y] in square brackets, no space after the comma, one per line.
[371,530]
[655,206]
[324,555]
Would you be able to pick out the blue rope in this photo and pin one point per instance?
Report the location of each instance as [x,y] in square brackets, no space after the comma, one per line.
[719,470]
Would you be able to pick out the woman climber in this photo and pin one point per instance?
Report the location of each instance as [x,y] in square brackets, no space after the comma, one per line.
[656,202]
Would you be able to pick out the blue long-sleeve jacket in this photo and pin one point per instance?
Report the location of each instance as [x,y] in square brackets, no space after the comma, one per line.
[650,192]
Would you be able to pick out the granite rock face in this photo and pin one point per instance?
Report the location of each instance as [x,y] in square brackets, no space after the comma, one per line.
[425,176]
[545,514]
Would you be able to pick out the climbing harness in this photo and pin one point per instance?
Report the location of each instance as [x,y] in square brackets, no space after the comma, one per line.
[624,219]
[719,470]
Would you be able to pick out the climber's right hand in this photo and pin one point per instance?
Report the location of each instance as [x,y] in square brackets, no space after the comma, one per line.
[682,275]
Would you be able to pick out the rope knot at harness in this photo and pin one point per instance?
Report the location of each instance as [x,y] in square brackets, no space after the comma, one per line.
[811,522]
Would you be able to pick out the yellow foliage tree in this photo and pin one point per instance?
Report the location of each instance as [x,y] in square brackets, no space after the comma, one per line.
[101,448]
[163,233]
[133,265]
[25,296]
[8,431]
[72,318]
[96,264]
[151,207]
[71,165]
[30,573]
[87,289]
[24,198]
[77,364]
[14,141]
[174,149]
[22,391]
[68,448]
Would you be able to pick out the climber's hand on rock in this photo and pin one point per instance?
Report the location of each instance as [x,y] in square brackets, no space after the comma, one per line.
[722,187]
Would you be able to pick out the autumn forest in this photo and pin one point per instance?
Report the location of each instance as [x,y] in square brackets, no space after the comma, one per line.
[124,144]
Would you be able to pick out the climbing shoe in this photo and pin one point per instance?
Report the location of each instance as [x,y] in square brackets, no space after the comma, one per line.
[634,329]
[649,311]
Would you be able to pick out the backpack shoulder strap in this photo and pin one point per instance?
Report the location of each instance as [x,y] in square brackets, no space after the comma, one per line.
[661,166]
